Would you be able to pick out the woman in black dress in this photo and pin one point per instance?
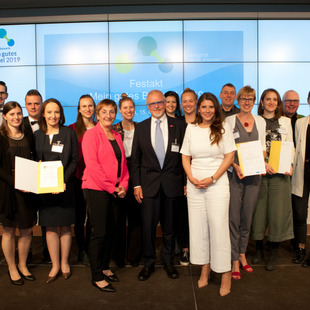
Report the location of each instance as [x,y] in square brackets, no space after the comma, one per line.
[129,208]
[16,207]
[56,142]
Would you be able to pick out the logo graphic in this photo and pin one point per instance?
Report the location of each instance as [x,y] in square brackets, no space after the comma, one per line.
[148,47]
[10,42]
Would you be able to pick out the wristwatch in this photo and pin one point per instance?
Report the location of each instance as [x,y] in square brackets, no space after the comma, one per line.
[213,180]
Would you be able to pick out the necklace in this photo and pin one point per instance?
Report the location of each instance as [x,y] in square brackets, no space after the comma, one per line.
[246,124]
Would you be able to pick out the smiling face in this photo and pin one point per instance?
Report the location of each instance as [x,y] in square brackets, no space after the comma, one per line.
[171,104]
[127,109]
[33,104]
[156,103]
[291,103]
[246,102]
[189,103]
[207,111]
[228,97]
[52,115]
[86,108]
[106,116]
[14,118]
[270,102]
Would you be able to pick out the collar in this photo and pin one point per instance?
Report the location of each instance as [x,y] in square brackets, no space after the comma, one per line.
[32,119]
[163,118]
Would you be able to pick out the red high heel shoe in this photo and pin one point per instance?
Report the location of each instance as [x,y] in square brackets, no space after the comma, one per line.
[246,268]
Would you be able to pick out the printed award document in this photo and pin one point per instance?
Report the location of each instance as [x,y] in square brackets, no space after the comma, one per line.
[280,158]
[39,177]
[251,159]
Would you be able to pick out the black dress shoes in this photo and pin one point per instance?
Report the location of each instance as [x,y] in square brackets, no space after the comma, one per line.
[112,278]
[109,288]
[306,263]
[26,277]
[16,282]
[145,273]
[171,271]
[300,256]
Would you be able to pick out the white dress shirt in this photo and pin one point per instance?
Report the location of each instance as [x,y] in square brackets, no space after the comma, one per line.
[34,127]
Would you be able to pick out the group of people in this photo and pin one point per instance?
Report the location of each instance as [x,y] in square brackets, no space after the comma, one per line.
[180,170]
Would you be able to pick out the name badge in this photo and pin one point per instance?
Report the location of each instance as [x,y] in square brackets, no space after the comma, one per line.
[175,147]
[236,135]
[57,147]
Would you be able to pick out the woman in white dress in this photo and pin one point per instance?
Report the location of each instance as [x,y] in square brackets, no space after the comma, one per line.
[207,152]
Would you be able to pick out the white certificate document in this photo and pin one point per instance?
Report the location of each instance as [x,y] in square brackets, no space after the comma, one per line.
[251,159]
[38,177]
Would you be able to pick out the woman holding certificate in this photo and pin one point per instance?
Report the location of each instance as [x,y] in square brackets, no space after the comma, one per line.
[274,208]
[244,190]
[105,180]
[85,120]
[16,207]
[56,142]
[207,152]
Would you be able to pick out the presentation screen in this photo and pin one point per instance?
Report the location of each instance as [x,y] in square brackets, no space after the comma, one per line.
[106,59]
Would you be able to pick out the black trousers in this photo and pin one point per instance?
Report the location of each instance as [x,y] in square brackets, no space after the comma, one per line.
[103,213]
[128,245]
[154,210]
[300,209]
[80,217]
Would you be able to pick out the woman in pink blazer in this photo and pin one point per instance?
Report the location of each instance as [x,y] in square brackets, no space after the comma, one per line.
[105,180]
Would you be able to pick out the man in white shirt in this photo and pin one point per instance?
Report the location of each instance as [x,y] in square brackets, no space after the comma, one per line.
[158,180]
[33,101]
[3,96]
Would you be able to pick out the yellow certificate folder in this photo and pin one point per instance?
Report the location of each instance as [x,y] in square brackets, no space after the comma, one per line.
[280,158]
[39,177]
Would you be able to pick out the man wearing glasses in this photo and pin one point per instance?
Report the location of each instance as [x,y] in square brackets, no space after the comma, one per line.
[3,96]
[158,180]
[291,103]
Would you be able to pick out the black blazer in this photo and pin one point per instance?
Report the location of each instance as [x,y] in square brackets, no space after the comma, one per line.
[27,126]
[70,154]
[145,167]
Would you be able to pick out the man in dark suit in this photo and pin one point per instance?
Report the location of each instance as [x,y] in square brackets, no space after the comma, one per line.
[158,180]
[33,102]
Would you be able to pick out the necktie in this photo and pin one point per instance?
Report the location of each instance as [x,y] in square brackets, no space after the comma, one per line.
[159,144]
[33,122]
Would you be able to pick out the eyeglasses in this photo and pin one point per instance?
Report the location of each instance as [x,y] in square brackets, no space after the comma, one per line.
[291,101]
[244,100]
[152,104]
[2,93]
